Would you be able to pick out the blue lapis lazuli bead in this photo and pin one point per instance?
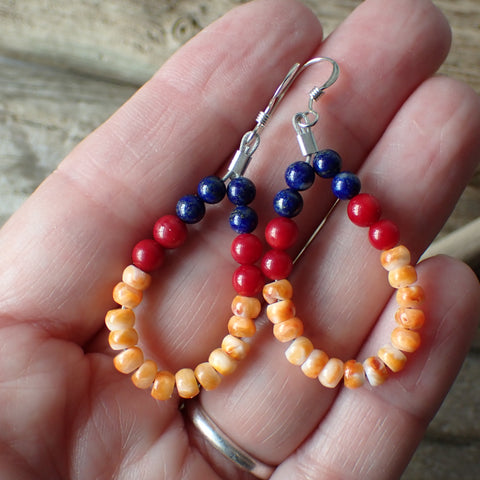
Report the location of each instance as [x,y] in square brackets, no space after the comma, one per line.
[241,191]
[243,219]
[190,209]
[288,203]
[346,185]
[211,189]
[300,175]
[327,163]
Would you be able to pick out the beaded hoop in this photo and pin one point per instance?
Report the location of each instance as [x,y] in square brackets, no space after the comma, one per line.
[170,232]
[364,211]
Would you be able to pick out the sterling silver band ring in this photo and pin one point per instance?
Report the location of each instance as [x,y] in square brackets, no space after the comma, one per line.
[223,444]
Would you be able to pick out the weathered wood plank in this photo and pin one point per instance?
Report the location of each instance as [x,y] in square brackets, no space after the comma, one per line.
[44,113]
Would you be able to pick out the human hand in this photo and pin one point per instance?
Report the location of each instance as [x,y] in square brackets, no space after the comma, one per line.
[66,413]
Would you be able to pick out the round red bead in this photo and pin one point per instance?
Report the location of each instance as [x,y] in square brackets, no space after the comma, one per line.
[247,280]
[246,248]
[281,233]
[364,210]
[277,264]
[148,255]
[169,231]
[384,235]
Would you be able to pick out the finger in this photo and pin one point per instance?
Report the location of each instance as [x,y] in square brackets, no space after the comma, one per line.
[341,286]
[76,232]
[372,433]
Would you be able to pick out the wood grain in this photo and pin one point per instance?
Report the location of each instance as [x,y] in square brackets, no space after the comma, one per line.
[66,66]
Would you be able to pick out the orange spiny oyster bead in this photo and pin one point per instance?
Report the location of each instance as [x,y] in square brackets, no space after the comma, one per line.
[119,319]
[235,347]
[126,295]
[410,318]
[299,350]
[314,363]
[393,358]
[375,371]
[136,278]
[288,330]
[207,376]
[405,340]
[281,311]
[248,307]
[353,374]
[120,339]
[128,360]
[411,296]
[144,376]
[331,373]
[241,327]
[187,386]
[402,276]
[278,290]
[395,257]
[163,385]
[222,362]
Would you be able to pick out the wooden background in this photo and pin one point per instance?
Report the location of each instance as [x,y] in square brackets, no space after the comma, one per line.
[65,66]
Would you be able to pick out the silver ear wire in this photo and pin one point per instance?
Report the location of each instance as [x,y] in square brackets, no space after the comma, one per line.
[251,139]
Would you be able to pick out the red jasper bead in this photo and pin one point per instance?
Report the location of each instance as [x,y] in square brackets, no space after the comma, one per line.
[247,280]
[364,210]
[384,235]
[277,264]
[169,231]
[281,233]
[148,255]
[246,248]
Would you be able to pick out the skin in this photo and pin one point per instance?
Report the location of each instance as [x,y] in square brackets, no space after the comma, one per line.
[66,413]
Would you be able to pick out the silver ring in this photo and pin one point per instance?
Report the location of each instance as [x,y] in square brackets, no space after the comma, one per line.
[224,445]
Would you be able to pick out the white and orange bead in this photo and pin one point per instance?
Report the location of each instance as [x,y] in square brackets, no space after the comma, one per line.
[248,307]
[128,360]
[299,350]
[207,376]
[405,340]
[241,326]
[186,382]
[411,296]
[144,376]
[375,371]
[235,348]
[393,358]
[120,319]
[288,329]
[280,311]
[222,362]
[331,373]
[353,374]
[410,318]
[121,339]
[136,278]
[163,385]
[279,290]
[402,276]
[314,363]
[394,258]
[127,296]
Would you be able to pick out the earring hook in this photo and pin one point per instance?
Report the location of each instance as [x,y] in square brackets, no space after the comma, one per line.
[251,140]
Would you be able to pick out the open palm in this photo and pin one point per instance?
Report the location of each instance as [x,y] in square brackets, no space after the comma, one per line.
[413,138]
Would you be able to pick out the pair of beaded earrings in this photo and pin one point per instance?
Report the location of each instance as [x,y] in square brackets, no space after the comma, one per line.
[281,233]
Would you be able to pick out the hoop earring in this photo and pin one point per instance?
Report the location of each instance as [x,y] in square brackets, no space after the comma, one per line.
[170,232]
[363,210]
